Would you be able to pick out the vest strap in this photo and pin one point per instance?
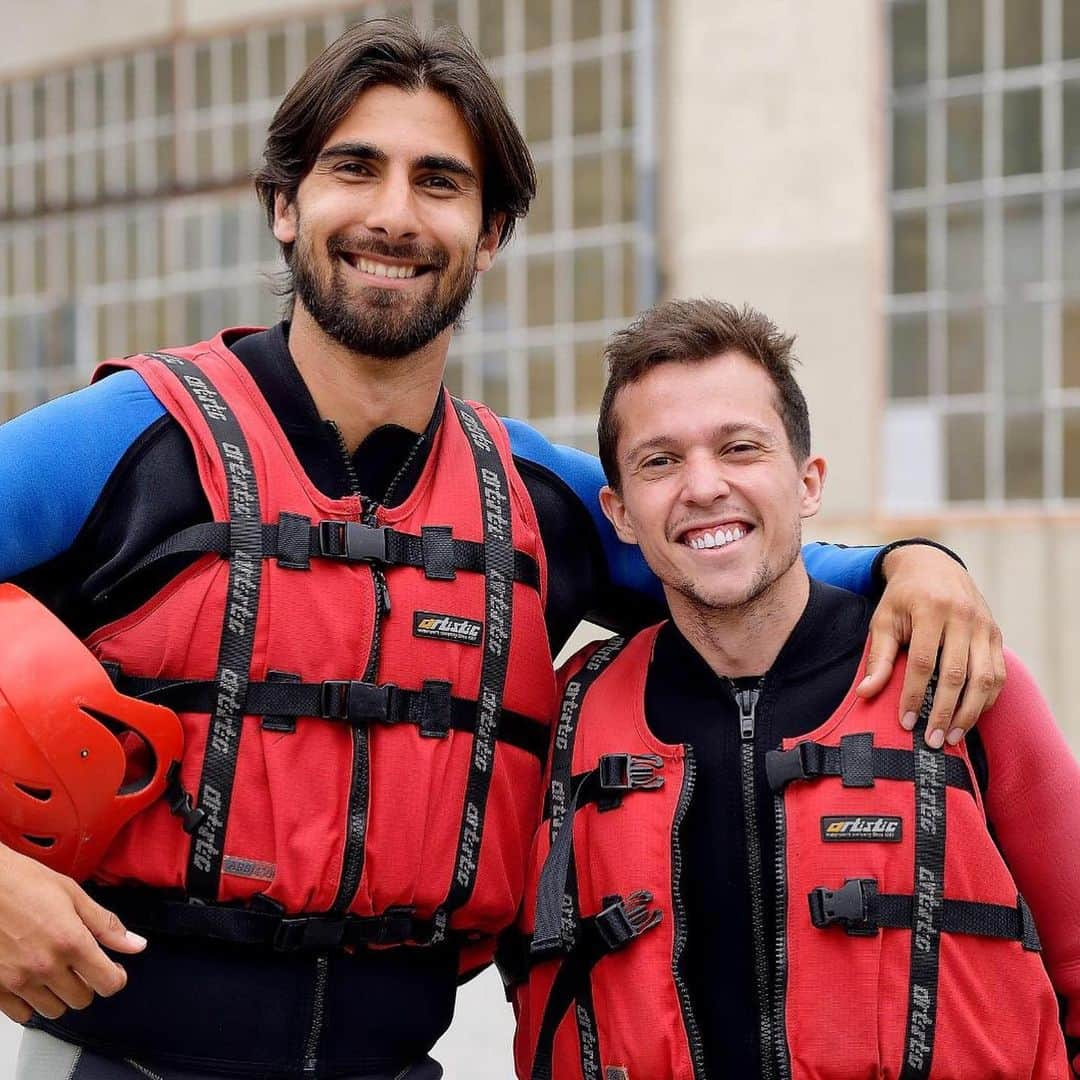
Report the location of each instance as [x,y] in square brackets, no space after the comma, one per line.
[148,912]
[849,761]
[861,910]
[295,540]
[432,710]
[614,776]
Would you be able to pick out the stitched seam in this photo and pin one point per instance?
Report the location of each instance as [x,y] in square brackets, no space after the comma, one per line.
[75,1063]
[141,1069]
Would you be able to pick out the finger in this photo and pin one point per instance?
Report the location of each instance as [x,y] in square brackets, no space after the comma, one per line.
[42,1000]
[953,663]
[880,658]
[106,926]
[14,1008]
[71,990]
[922,656]
[979,691]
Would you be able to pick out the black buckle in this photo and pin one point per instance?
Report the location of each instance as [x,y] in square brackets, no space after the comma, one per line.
[848,905]
[783,766]
[623,920]
[308,932]
[180,802]
[395,926]
[358,703]
[352,542]
[625,772]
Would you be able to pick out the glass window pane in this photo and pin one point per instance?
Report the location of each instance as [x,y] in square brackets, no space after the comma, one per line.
[1023,32]
[908,362]
[909,148]
[589,285]
[541,383]
[966,372]
[964,146]
[541,290]
[1071,239]
[964,248]
[495,311]
[587,18]
[537,24]
[588,376]
[588,191]
[275,63]
[1070,29]
[541,217]
[1023,352]
[1023,249]
[588,97]
[628,178]
[1070,345]
[1022,132]
[490,22]
[1071,107]
[203,77]
[538,105]
[909,43]
[628,88]
[1071,424]
[909,252]
[494,392]
[965,443]
[163,83]
[1024,456]
[238,63]
[965,37]
[631,301]
[445,13]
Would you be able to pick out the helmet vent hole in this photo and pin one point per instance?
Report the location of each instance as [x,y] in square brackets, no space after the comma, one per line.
[141,759]
[40,841]
[41,794]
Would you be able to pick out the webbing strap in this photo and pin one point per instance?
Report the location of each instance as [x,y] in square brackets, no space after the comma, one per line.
[498,566]
[811,761]
[614,776]
[294,540]
[929,892]
[238,628]
[861,909]
[348,701]
[549,932]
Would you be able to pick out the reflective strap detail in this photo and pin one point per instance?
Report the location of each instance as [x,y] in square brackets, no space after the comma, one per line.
[360,704]
[149,913]
[238,629]
[619,923]
[929,891]
[811,761]
[557,878]
[860,909]
[498,568]
[294,541]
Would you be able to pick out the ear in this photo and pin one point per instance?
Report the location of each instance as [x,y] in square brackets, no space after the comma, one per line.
[286,219]
[812,484]
[614,508]
[488,244]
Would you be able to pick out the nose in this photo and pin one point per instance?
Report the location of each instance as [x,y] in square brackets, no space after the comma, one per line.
[391,210]
[704,480]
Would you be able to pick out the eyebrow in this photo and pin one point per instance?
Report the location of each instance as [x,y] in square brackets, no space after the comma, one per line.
[724,431]
[361,151]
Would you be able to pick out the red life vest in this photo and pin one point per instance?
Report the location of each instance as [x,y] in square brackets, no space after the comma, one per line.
[887,976]
[365,692]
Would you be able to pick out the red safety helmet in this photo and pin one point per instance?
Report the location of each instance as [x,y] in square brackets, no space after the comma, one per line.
[78,759]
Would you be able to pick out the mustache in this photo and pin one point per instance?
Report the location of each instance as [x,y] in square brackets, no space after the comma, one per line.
[422,254]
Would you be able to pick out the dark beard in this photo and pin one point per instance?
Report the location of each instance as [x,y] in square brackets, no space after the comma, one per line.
[387,326]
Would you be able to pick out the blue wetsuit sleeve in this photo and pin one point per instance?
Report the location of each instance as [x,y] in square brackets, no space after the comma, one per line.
[55,461]
[847,568]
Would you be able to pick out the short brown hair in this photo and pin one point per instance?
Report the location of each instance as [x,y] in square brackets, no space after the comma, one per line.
[688,331]
[392,52]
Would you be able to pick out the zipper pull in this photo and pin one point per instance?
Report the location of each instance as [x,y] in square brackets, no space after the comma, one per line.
[382,593]
[747,702]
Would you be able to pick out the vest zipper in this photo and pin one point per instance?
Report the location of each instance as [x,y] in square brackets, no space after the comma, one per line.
[780,1047]
[318,1013]
[693,1032]
[747,701]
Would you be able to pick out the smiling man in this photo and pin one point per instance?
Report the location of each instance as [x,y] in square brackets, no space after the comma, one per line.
[349,585]
[748,870]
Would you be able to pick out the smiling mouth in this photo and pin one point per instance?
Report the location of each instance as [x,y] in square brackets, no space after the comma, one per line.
[723,536]
[376,268]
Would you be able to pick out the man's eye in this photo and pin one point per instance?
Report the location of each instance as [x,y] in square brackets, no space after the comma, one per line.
[657,461]
[741,448]
[353,168]
[439,183]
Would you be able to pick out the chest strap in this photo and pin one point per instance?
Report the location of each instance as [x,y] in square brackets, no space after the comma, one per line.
[295,540]
[432,710]
[863,911]
[150,913]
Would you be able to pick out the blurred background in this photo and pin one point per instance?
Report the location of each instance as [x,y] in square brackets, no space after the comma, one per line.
[896,181]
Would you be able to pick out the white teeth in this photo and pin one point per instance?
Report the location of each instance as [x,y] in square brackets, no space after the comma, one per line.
[709,539]
[368,266]
[717,539]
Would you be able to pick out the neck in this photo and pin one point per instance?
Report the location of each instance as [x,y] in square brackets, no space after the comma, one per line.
[361,393]
[747,638]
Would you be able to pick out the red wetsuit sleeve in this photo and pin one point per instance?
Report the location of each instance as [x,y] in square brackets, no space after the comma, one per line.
[1033,803]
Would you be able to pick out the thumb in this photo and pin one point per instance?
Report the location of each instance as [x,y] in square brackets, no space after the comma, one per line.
[879,662]
[106,926]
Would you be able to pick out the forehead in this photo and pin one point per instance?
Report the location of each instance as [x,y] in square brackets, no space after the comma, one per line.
[407,124]
[690,399]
